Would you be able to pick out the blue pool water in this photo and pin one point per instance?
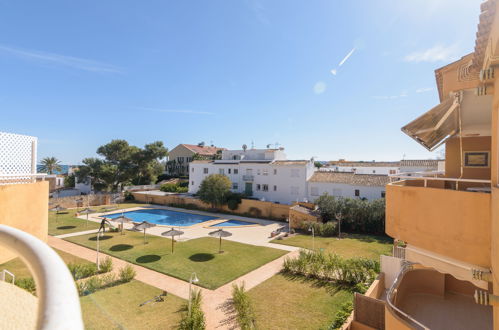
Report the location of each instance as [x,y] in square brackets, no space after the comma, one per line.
[164,217]
[231,223]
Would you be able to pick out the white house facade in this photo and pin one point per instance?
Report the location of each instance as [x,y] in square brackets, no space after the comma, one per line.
[261,173]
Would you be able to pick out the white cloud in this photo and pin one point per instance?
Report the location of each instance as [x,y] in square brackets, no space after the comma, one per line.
[438,53]
[69,61]
[391,97]
[424,90]
[319,87]
[176,111]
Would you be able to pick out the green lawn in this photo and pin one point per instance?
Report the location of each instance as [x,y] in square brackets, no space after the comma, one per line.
[118,308]
[353,245]
[282,302]
[19,269]
[65,222]
[197,255]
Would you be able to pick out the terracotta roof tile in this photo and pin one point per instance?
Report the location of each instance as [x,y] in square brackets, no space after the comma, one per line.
[204,151]
[351,178]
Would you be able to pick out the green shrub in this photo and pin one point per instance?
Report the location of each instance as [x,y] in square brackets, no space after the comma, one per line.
[126,274]
[81,286]
[106,265]
[233,200]
[129,196]
[331,267]
[26,283]
[93,284]
[328,229]
[168,187]
[341,315]
[242,304]
[196,320]
[80,271]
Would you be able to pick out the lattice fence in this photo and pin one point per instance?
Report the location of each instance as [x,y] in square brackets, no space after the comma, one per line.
[17,156]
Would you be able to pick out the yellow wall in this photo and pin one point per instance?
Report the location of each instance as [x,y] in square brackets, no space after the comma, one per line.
[25,207]
[453,158]
[452,223]
[248,207]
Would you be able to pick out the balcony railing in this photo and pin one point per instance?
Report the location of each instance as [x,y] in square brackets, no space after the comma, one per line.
[20,178]
[249,178]
[437,180]
[58,303]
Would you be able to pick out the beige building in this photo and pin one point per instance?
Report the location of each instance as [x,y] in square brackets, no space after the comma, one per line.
[180,157]
[445,270]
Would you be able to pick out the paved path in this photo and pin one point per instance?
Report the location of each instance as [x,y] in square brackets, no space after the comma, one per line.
[215,302]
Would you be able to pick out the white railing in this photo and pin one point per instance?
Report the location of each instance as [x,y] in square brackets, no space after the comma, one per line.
[20,178]
[17,153]
[398,252]
[6,272]
[58,302]
[433,176]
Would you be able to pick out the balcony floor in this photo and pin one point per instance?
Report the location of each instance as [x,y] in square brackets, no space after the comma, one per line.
[453,311]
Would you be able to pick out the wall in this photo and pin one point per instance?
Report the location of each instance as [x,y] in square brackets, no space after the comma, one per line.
[453,157]
[296,217]
[248,207]
[344,190]
[451,223]
[92,200]
[24,206]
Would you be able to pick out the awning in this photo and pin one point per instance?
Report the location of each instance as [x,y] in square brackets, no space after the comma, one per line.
[437,125]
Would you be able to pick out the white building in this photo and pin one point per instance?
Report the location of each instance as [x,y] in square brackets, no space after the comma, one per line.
[378,168]
[262,173]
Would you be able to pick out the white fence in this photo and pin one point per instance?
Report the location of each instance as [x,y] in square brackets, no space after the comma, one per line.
[17,158]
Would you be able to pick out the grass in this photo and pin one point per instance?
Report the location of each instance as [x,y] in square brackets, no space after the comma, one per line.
[197,255]
[284,302]
[65,222]
[353,245]
[118,308]
[20,270]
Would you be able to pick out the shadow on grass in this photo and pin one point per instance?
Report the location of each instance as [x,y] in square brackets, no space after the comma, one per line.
[331,287]
[120,247]
[66,227]
[103,238]
[148,258]
[369,238]
[201,257]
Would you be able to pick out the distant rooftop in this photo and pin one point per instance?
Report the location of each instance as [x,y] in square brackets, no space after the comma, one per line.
[364,163]
[351,178]
[202,150]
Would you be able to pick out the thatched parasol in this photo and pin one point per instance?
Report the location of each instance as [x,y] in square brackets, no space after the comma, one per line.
[220,233]
[122,220]
[143,226]
[172,233]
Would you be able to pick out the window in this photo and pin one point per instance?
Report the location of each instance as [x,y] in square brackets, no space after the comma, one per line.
[314,191]
[265,187]
[258,187]
[234,186]
[357,192]
[236,171]
[374,171]
[221,171]
[258,172]
[192,169]
[275,171]
[295,173]
[275,188]
[205,170]
[382,194]
[392,172]
[228,171]
[265,172]
[192,182]
[295,190]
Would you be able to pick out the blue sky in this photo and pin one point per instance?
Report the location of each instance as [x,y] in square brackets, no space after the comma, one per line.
[330,79]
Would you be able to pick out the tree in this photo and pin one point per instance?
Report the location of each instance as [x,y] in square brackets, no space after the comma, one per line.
[69,181]
[329,206]
[123,164]
[50,165]
[214,189]
[318,164]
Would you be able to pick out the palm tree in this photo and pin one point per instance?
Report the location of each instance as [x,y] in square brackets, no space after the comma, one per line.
[50,165]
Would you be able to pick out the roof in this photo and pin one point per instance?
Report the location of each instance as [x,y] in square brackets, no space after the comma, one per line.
[201,161]
[290,162]
[205,151]
[351,178]
[364,164]
[420,162]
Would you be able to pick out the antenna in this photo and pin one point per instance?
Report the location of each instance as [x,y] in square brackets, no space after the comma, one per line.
[252,144]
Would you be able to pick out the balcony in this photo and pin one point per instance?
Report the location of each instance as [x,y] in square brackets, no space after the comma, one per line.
[248,178]
[452,222]
[422,298]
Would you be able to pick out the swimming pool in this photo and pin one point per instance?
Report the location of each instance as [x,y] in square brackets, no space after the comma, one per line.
[233,223]
[163,217]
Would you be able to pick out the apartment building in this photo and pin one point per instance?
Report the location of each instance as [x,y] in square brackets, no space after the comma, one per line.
[265,174]
[180,157]
[445,271]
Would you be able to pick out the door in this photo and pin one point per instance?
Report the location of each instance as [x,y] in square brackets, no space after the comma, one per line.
[248,188]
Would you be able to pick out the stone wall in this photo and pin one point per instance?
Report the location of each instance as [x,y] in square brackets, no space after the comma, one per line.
[91,200]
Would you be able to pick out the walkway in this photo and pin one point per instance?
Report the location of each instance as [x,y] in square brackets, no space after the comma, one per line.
[217,317]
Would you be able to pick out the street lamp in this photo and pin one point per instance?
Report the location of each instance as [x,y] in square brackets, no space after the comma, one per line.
[194,279]
[311,229]
[288,220]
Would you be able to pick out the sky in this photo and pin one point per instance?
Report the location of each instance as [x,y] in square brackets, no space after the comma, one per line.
[322,78]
